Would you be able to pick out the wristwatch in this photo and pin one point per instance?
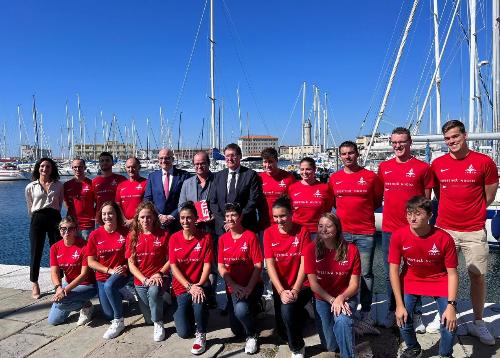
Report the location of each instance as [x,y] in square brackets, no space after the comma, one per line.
[453,303]
[56,286]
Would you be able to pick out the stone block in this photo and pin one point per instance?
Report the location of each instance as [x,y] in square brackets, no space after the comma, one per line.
[22,344]
[9,327]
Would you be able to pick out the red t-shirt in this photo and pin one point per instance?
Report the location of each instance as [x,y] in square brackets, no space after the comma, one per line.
[357,195]
[286,250]
[129,195]
[239,256]
[79,198]
[425,260]
[402,181]
[462,201]
[273,187]
[151,253]
[71,259]
[189,256]
[333,276]
[107,248]
[105,188]
[309,202]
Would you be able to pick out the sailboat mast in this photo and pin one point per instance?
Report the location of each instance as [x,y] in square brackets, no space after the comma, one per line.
[212,73]
[495,68]
[391,78]
[436,58]
[472,63]
[302,129]
[20,132]
[239,110]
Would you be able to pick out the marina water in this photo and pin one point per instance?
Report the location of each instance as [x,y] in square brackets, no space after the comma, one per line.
[15,248]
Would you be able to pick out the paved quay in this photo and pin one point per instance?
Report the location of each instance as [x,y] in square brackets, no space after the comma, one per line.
[24,330]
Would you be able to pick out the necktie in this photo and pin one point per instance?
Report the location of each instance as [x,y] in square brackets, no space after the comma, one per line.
[166,186]
[231,195]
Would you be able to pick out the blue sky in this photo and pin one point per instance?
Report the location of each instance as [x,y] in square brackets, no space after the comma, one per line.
[128,58]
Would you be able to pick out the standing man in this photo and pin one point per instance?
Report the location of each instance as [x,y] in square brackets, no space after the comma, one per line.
[164,188]
[467,182]
[275,183]
[197,188]
[130,193]
[79,199]
[235,184]
[404,177]
[105,185]
[358,192]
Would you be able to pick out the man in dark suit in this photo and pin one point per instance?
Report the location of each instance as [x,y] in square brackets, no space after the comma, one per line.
[235,184]
[164,188]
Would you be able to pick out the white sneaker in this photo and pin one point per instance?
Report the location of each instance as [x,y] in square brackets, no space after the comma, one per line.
[478,329]
[435,325]
[365,325]
[117,326]
[299,354]
[159,332]
[251,345]
[389,320]
[85,315]
[418,325]
[200,344]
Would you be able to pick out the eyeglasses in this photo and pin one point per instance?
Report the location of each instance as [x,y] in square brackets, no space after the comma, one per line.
[65,229]
[166,158]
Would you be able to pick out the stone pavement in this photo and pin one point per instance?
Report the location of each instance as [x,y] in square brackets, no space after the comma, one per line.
[24,331]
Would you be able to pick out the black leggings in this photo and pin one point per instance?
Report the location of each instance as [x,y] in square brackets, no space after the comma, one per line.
[43,222]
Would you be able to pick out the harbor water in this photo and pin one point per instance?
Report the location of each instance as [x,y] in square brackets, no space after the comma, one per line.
[14,243]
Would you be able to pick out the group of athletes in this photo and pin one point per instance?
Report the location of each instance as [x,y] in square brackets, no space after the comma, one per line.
[312,243]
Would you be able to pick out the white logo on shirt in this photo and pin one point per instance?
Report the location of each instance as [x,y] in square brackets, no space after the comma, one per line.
[273,244]
[139,187]
[296,241]
[226,248]
[244,247]
[410,173]
[362,181]
[114,182]
[320,260]
[157,242]
[295,194]
[121,240]
[76,255]
[338,182]
[122,189]
[282,184]
[317,194]
[100,242]
[470,169]
[434,250]
[197,247]
[406,248]
[177,249]
[59,256]
[443,170]
[387,171]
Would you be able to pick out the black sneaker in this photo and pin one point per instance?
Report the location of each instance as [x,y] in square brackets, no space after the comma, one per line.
[415,352]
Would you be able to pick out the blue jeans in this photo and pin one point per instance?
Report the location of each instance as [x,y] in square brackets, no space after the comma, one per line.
[242,312]
[408,332]
[190,317]
[290,318]
[151,302]
[336,333]
[110,296]
[74,301]
[366,247]
[386,241]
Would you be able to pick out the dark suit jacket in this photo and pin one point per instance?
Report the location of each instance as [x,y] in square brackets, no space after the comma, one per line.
[156,194]
[248,193]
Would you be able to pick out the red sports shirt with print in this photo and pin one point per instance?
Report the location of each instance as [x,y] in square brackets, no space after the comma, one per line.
[79,198]
[71,259]
[105,188]
[273,187]
[129,195]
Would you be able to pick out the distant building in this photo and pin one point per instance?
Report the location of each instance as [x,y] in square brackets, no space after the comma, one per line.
[29,152]
[252,145]
[91,151]
[297,152]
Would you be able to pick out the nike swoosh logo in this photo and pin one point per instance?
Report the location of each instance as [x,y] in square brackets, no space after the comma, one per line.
[319,260]
[100,242]
[338,182]
[226,248]
[406,247]
[443,170]
[59,256]
[177,249]
[295,194]
[275,244]
[388,171]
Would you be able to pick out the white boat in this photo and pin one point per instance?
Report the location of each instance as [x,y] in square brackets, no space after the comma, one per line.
[10,172]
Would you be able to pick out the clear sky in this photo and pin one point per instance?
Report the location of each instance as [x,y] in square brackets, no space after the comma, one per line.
[128,58]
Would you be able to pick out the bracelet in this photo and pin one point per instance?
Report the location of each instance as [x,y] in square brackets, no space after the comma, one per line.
[188,287]
[57,286]
[107,270]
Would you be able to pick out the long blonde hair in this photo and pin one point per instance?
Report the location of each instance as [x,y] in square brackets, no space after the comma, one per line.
[340,245]
[136,226]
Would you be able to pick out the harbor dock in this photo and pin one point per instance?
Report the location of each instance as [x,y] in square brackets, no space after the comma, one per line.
[24,330]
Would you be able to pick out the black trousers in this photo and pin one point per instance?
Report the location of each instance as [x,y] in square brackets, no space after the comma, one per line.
[43,222]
